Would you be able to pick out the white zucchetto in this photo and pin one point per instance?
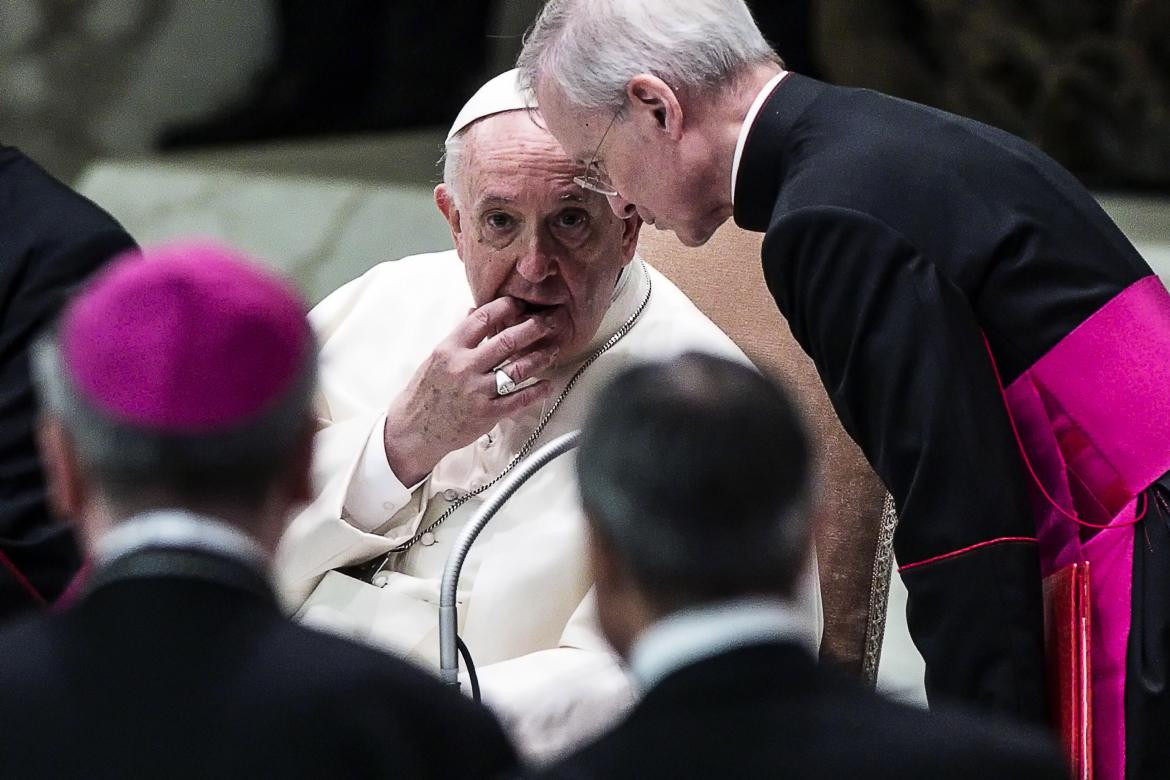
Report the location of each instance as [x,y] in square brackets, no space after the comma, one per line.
[500,94]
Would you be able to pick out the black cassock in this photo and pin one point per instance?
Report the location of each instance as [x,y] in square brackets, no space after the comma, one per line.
[904,244]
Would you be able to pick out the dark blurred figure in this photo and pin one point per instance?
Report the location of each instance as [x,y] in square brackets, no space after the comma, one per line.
[788,26]
[356,66]
[1086,80]
[695,478]
[178,434]
[51,239]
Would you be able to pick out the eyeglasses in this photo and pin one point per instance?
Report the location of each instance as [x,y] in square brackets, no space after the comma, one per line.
[592,179]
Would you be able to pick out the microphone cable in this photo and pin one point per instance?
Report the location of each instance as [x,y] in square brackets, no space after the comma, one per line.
[470,666]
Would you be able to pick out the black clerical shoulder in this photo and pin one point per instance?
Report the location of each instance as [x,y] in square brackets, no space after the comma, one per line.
[51,241]
[186,678]
[767,711]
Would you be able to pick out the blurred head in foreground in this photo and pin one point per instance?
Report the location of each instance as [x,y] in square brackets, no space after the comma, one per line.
[180,378]
[695,477]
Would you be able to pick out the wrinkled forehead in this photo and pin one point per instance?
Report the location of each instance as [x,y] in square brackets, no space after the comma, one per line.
[514,152]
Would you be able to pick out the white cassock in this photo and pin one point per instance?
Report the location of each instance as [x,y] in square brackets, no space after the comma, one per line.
[523,601]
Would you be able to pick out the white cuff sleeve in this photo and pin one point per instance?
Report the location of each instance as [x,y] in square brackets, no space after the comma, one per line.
[375,493]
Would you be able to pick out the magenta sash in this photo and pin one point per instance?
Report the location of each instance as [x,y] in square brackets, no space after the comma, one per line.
[1093,416]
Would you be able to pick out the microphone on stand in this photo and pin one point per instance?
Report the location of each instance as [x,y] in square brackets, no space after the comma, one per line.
[449,643]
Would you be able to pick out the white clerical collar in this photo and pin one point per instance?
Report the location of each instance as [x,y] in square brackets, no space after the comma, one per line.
[692,635]
[748,121]
[176,528]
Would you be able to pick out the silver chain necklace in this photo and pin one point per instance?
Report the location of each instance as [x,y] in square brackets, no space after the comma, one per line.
[618,335]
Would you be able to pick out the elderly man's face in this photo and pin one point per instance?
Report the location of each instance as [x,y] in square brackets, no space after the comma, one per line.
[524,229]
[664,179]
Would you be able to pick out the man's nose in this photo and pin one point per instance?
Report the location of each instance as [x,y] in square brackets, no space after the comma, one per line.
[538,261]
[622,207]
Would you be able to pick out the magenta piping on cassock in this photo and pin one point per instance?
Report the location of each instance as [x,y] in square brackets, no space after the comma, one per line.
[1093,416]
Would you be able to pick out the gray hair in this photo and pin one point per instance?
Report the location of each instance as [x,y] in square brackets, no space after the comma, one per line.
[697,473]
[454,158]
[137,469]
[592,48]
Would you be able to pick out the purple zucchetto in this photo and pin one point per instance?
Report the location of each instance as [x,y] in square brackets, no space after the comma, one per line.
[184,338]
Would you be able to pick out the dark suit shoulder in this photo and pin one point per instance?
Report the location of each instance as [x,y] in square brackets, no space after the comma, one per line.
[360,667]
[807,724]
[258,695]
[29,194]
[376,698]
[25,643]
[54,238]
[953,743]
[826,745]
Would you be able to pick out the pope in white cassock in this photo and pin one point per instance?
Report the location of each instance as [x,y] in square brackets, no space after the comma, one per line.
[417,424]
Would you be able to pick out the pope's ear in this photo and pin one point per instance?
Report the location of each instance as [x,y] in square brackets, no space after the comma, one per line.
[655,105]
[445,201]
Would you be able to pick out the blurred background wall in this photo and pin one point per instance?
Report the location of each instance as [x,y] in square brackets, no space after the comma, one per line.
[84,79]
[88,79]
[1088,80]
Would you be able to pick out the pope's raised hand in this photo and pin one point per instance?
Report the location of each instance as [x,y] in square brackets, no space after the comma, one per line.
[452,400]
